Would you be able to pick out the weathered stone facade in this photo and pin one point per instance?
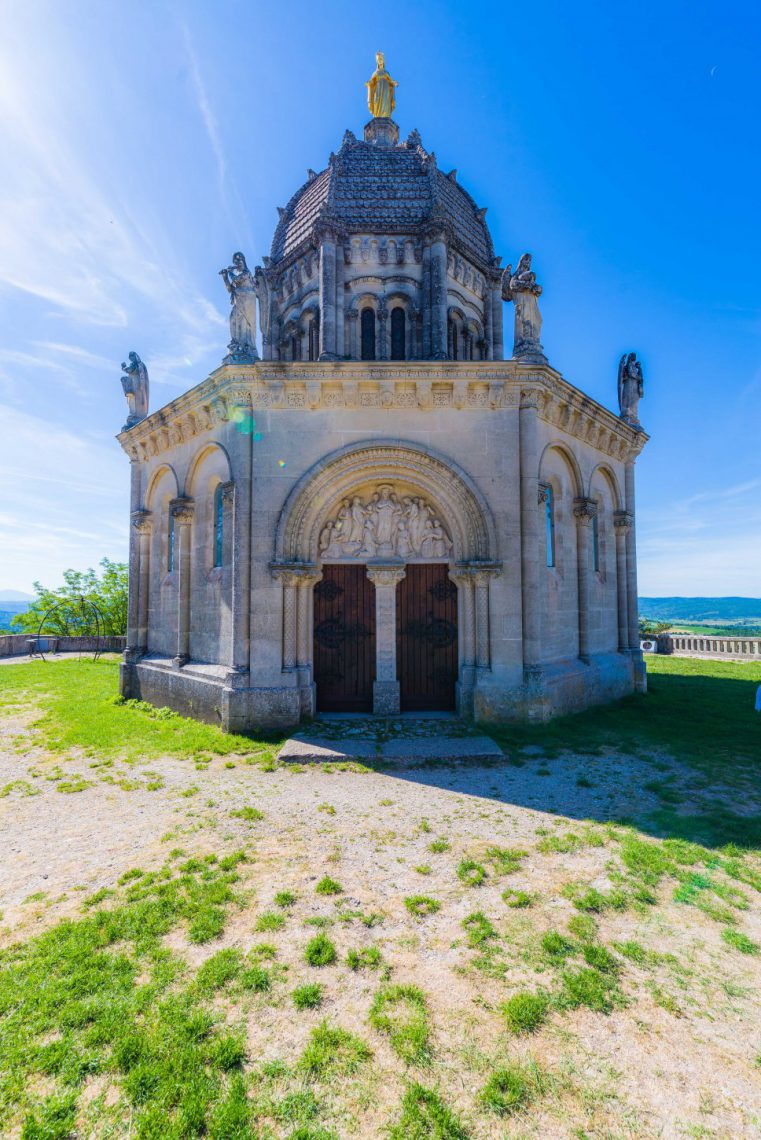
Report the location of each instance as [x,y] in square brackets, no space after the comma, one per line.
[246,487]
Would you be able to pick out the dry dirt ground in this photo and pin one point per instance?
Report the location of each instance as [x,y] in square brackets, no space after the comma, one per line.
[679,1059]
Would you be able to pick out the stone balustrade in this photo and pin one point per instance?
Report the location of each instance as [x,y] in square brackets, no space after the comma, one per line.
[696,645]
[17,644]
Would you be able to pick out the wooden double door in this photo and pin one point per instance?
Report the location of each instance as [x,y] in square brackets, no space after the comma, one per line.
[344,639]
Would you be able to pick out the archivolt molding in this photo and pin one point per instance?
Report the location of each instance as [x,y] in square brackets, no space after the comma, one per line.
[318,496]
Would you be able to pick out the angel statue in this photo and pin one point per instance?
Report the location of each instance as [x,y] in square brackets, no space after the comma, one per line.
[631,388]
[241,285]
[522,289]
[135,385]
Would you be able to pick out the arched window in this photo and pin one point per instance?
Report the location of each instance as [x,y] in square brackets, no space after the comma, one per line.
[398,346]
[455,344]
[170,544]
[219,525]
[296,347]
[595,540]
[549,522]
[314,337]
[368,334]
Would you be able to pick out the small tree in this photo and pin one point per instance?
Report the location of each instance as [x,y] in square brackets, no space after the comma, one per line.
[108,592]
[648,628]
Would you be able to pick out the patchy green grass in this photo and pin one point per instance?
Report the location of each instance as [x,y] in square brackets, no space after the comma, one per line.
[525,1012]
[320,951]
[513,1087]
[425,1116]
[421,906]
[328,886]
[401,1011]
[308,996]
[80,707]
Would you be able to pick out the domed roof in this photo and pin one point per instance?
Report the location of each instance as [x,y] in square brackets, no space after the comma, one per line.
[382,186]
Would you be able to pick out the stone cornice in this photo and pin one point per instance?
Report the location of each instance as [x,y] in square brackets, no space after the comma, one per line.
[234,391]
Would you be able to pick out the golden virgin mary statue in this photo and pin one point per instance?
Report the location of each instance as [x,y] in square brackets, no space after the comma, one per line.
[380,90]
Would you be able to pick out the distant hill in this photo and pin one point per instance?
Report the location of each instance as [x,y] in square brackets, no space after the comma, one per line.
[15,596]
[9,609]
[714,610]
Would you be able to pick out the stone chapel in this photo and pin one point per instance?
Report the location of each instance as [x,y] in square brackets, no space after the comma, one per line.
[381,513]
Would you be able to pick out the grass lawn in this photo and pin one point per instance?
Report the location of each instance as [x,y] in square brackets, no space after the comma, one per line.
[196,941]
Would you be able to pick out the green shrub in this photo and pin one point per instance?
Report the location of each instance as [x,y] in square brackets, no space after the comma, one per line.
[328,886]
[426,1117]
[320,951]
[470,873]
[401,1012]
[524,1012]
[421,905]
[308,996]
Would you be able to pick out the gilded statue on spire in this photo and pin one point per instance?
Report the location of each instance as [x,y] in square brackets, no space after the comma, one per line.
[380,90]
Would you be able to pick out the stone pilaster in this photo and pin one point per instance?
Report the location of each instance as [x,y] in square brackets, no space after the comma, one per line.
[385,578]
[383,352]
[182,512]
[530,589]
[632,600]
[439,298]
[584,511]
[353,319]
[622,524]
[328,297]
[497,333]
[425,293]
[142,526]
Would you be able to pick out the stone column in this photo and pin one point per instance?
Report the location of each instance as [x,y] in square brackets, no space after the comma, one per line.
[383,353]
[622,525]
[584,511]
[439,298]
[353,319]
[498,348]
[530,589]
[142,525]
[290,618]
[425,294]
[308,577]
[481,578]
[182,511]
[463,579]
[328,297]
[488,325]
[385,578]
[632,600]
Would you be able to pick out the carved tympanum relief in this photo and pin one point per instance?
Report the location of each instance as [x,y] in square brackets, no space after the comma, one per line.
[384,526]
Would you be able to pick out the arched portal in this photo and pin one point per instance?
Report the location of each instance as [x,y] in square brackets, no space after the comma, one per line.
[401,545]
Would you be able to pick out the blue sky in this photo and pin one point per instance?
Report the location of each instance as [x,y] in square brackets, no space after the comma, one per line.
[142,143]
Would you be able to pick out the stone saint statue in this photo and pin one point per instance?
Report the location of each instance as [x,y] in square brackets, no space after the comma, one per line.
[241,285]
[135,385]
[380,90]
[631,388]
[522,289]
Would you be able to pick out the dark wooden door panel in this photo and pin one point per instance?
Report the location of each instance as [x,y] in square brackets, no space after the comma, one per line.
[344,640]
[426,637]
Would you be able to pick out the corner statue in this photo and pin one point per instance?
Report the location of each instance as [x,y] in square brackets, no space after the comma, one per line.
[241,285]
[135,385]
[380,90]
[631,388]
[522,289]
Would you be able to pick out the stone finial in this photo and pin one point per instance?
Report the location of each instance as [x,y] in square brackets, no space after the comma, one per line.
[281,211]
[452,176]
[311,174]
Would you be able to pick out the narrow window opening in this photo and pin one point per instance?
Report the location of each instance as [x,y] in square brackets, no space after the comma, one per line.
[170,544]
[368,334]
[219,525]
[314,338]
[398,346]
[549,523]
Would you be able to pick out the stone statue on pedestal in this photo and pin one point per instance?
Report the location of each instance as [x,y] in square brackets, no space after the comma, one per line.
[135,385]
[380,90]
[631,388]
[522,289]
[241,285]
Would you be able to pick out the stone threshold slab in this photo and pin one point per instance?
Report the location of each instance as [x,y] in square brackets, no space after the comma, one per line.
[305,749]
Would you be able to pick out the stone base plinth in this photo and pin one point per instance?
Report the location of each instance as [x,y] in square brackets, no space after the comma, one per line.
[386,698]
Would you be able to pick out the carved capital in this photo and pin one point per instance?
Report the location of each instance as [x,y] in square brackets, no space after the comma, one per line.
[228,492]
[531,398]
[296,573]
[623,521]
[385,575]
[142,521]
[544,493]
[584,510]
[182,511]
